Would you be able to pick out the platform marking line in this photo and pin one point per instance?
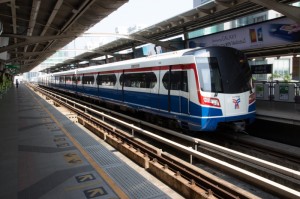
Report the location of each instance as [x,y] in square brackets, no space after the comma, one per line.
[62,145]
[85,178]
[59,139]
[83,185]
[92,162]
[72,158]
[95,192]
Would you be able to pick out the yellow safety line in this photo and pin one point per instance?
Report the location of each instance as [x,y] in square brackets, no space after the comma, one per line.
[92,162]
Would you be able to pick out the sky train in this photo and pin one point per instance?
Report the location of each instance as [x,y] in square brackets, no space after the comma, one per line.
[200,89]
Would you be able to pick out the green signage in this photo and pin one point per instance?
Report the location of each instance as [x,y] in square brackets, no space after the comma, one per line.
[12,66]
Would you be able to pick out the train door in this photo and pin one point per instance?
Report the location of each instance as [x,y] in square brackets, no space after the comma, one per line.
[165,97]
[122,81]
[83,81]
[74,82]
[79,86]
[97,83]
[179,91]
[154,85]
[174,90]
[174,95]
[184,92]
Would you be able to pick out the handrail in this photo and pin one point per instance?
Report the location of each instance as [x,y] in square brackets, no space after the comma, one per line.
[277,91]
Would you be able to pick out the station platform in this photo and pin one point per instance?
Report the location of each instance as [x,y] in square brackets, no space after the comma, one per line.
[282,112]
[45,155]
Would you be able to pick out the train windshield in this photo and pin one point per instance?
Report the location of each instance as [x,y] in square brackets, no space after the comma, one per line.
[209,74]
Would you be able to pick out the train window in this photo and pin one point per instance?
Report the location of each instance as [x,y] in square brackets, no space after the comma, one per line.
[139,80]
[106,80]
[52,79]
[56,79]
[76,79]
[209,74]
[61,79]
[88,79]
[179,80]
[68,80]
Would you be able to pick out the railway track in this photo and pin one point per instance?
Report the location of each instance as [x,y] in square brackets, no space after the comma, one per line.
[278,180]
[277,153]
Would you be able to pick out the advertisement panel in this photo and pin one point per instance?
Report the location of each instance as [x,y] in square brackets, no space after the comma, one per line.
[275,32]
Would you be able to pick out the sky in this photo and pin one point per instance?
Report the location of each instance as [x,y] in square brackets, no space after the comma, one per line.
[142,12]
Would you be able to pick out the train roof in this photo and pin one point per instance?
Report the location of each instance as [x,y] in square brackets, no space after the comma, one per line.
[126,63]
[130,63]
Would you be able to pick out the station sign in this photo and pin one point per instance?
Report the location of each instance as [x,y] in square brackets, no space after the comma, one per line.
[262,69]
[12,66]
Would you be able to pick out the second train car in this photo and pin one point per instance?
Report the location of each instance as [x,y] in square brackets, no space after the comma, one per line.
[200,89]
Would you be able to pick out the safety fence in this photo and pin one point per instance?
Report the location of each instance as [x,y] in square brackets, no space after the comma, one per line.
[277,91]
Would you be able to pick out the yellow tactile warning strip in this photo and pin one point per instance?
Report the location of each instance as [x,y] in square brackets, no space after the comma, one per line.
[92,162]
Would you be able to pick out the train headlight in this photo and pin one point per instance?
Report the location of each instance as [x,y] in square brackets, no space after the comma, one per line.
[210,101]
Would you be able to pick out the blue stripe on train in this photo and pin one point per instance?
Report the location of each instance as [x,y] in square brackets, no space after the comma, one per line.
[158,104]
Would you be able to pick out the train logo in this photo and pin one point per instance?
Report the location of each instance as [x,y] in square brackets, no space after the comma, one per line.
[236,101]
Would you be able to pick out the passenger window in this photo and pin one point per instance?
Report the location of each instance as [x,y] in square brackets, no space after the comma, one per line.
[52,79]
[61,79]
[106,80]
[139,80]
[68,80]
[89,80]
[76,79]
[56,79]
[179,80]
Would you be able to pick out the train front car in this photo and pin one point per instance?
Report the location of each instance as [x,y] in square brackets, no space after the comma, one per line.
[224,88]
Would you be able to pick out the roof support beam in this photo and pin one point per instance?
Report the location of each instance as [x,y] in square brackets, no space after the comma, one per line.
[27,54]
[34,12]
[14,17]
[227,3]
[50,19]
[4,1]
[105,53]
[291,12]
[31,40]
[159,43]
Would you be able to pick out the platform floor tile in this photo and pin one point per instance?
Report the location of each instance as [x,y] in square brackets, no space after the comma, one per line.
[43,161]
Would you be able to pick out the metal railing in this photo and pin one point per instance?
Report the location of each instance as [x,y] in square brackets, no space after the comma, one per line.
[277,91]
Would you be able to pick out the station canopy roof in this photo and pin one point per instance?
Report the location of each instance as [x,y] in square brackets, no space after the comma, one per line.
[37,29]
[63,20]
